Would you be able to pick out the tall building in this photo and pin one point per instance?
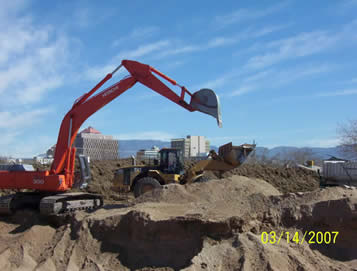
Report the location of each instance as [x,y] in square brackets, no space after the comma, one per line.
[92,143]
[191,146]
[148,156]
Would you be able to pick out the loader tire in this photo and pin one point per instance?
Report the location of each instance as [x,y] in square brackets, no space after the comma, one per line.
[144,185]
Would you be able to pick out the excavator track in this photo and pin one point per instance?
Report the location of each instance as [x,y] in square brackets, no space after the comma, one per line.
[69,202]
[49,204]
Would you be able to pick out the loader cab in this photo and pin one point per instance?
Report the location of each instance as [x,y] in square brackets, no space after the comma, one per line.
[171,161]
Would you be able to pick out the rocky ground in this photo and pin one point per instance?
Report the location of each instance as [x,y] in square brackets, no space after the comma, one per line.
[216,225]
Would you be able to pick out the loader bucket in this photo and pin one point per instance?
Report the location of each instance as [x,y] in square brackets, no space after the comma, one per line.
[206,101]
[235,155]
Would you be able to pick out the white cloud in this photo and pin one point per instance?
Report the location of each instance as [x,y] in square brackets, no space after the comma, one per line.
[33,60]
[178,50]
[13,147]
[268,30]
[12,127]
[18,37]
[18,121]
[276,78]
[353,80]
[348,4]
[241,15]
[140,33]
[10,8]
[337,93]
[261,80]
[218,82]
[145,49]
[174,64]
[221,41]
[242,90]
[82,16]
[97,73]
[301,45]
[216,42]
[283,77]
[157,135]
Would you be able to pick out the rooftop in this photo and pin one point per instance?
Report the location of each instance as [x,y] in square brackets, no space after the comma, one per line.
[90,130]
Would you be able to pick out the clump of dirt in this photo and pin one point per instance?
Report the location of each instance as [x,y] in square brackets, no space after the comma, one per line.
[102,176]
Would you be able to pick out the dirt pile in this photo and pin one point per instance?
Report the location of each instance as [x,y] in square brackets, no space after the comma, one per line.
[205,226]
[286,180]
[102,176]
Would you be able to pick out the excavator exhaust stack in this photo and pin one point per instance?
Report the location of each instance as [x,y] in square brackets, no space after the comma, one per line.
[206,101]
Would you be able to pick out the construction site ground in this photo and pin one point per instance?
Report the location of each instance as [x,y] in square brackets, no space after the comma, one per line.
[214,225]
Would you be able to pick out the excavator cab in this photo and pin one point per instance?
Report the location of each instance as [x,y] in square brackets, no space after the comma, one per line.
[171,161]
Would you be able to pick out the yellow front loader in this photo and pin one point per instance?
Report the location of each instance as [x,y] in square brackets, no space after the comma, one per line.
[142,178]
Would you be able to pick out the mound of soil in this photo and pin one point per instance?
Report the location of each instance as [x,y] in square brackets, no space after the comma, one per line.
[102,176]
[215,225]
[286,180]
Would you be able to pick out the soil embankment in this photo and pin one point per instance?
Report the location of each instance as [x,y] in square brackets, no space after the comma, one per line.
[216,225]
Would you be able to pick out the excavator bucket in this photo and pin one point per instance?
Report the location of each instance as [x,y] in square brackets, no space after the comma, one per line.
[206,101]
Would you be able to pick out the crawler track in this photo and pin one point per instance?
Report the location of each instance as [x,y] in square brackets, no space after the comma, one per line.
[50,204]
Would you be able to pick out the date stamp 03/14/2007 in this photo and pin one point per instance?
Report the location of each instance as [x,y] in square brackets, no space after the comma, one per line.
[310,237]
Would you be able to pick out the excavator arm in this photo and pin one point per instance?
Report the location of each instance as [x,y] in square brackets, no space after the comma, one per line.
[60,177]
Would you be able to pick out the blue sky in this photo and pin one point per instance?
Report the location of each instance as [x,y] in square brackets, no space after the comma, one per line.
[285,71]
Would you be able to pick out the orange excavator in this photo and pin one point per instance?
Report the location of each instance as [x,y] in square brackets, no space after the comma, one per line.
[48,188]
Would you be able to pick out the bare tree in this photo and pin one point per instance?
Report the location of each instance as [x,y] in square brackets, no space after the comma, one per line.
[348,137]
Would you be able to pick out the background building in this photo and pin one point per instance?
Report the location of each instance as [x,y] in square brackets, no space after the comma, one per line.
[92,143]
[148,156]
[191,146]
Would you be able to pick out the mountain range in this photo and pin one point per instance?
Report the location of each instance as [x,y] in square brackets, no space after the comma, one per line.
[130,147]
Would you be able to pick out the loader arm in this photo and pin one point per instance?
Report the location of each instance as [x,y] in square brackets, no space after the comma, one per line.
[228,158]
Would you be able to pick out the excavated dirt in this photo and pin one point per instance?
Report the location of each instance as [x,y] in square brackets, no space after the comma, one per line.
[284,179]
[215,225]
[103,174]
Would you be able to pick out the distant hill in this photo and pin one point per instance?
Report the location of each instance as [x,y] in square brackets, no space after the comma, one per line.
[284,152]
[130,147]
